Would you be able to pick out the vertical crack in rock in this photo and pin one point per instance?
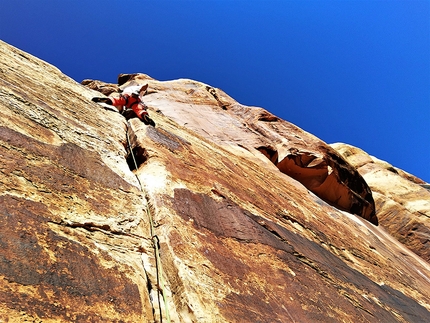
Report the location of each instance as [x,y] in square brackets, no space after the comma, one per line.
[136,154]
[228,255]
[136,157]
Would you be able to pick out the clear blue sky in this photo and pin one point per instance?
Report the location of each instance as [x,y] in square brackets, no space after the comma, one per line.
[347,71]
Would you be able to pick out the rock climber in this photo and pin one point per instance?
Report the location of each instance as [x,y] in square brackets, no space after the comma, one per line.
[130,99]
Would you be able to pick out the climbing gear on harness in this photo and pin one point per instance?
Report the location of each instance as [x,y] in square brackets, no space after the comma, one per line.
[130,100]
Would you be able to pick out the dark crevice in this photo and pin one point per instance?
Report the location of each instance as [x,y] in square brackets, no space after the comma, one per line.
[270,152]
[267,117]
[138,157]
[92,227]
[284,215]
[212,91]
[393,170]
[307,261]
[329,177]
[136,154]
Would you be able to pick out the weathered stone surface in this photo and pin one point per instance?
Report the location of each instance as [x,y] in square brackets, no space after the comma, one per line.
[70,212]
[256,132]
[270,240]
[240,240]
[105,88]
[402,200]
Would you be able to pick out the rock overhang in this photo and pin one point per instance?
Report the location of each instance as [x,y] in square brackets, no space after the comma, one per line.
[311,263]
[292,150]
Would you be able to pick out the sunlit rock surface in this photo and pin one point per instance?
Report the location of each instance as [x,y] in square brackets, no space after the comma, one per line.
[402,200]
[234,194]
[255,133]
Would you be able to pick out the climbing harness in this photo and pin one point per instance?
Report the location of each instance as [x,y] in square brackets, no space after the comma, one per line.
[127,97]
[155,243]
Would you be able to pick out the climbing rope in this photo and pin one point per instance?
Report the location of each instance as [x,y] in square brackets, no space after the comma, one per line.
[155,242]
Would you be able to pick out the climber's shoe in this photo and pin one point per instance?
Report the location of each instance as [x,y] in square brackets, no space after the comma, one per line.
[147,120]
[102,100]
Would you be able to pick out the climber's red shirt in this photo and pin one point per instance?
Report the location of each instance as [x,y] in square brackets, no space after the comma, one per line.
[131,102]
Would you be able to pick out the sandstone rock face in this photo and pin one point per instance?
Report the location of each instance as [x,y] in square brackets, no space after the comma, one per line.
[255,133]
[222,213]
[402,200]
[70,210]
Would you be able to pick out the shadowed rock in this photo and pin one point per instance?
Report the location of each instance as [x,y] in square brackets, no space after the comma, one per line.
[222,190]
[303,156]
[402,200]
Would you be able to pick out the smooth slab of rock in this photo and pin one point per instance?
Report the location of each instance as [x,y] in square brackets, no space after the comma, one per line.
[402,200]
[238,239]
[211,113]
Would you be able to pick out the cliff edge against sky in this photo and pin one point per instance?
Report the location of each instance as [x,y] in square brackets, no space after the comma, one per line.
[232,214]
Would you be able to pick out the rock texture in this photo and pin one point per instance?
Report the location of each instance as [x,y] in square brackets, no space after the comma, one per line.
[403,201]
[236,215]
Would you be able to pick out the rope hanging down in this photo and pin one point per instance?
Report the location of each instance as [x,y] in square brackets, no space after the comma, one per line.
[155,243]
